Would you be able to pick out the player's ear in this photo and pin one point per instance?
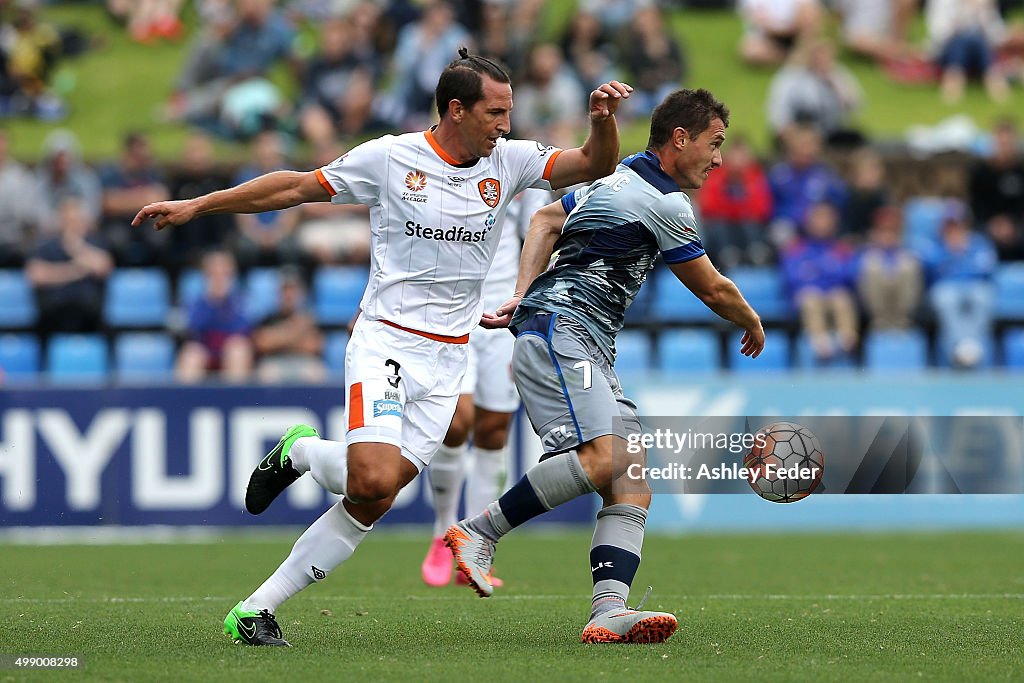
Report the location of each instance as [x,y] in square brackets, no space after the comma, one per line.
[456,109]
[679,137]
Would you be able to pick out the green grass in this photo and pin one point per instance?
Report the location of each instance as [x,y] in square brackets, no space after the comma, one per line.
[801,607]
[122,86]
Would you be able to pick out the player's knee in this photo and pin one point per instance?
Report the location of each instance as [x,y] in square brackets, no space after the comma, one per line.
[462,423]
[491,429]
[371,480]
[492,440]
[370,487]
[458,433]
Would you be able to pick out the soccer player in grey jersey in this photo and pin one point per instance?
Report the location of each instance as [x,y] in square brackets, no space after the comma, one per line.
[607,236]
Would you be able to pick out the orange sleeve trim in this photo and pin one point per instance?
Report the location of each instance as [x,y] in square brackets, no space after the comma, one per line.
[550,165]
[323,181]
[445,156]
[464,339]
[355,406]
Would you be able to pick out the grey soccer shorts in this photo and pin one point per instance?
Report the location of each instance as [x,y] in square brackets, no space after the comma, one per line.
[567,384]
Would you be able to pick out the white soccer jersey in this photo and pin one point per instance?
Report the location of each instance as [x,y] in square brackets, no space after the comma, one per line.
[500,283]
[435,226]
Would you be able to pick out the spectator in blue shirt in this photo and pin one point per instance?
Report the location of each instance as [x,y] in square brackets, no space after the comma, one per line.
[818,274]
[960,266]
[268,238]
[801,180]
[218,329]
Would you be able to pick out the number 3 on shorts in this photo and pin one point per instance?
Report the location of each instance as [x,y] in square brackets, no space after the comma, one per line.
[588,373]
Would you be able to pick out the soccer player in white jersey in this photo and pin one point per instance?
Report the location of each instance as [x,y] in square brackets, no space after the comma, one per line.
[486,407]
[437,199]
[608,236]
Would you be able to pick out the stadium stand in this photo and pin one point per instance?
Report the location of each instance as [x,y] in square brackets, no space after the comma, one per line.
[1013,348]
[673,303]
[633,351]
[334,352]
[143,356]
[262,292]
[19,306]
[762,286]
[337,291]
[1009,280]
[137,297]
[807,360]
[190,287]
[774,357]
[19,357]
[893,350]
[77,358]
[689,351]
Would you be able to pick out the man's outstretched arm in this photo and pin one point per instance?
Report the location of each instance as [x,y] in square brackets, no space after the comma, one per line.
[276,190]
[722,296]
[599,154]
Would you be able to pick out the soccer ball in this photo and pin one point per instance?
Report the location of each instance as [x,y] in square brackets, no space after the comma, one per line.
[785,464]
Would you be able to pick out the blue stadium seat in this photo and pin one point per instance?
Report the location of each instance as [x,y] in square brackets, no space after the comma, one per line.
[262,292]
[774,357]
[922,219]
[144,356]
[632,351]
[1013,348]
[689,351]
[1009,281]
[337,291]
[19,304]
[807,360]
[673,302]
[137,297]
[762,287]
[74,358]
[895,350]
[190,286]
[19,357]
[334,352]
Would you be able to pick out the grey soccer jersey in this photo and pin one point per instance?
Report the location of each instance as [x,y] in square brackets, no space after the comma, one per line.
[614,231]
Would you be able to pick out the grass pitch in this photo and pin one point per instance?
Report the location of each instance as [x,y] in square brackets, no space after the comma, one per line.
[797,607]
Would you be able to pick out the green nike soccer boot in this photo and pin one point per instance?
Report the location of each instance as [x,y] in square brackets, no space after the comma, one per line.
[275,472]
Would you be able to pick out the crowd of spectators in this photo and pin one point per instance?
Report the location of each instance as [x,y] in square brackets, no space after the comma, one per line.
[828,224]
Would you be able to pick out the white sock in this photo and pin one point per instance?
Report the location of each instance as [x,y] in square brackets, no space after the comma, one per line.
[445,474]
[326,460]
[328,542]
[486,479]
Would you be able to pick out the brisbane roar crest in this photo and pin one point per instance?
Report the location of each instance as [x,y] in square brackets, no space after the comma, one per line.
[490,191]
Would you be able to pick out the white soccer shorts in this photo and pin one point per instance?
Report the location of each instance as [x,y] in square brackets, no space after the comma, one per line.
[402,388]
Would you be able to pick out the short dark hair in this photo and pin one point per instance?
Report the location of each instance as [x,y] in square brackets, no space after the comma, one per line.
[690,109]
[462,80]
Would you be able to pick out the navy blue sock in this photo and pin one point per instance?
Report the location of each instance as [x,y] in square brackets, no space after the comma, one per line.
[548,484]
[615,555]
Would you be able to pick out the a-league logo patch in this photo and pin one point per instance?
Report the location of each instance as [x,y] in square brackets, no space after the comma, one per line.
[415,180]
[383,407]
[490,191]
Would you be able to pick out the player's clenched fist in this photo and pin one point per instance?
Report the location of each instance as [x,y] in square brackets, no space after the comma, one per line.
[165,214]
[605,100]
